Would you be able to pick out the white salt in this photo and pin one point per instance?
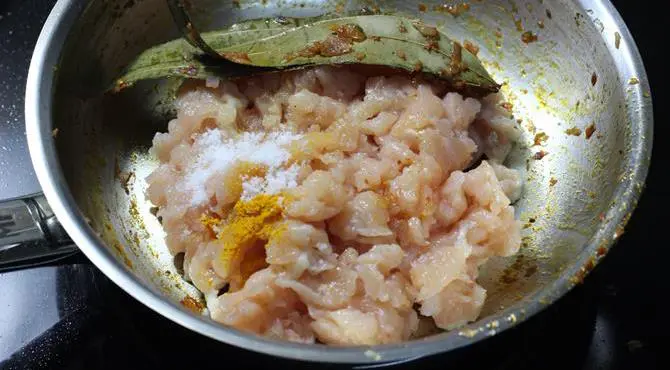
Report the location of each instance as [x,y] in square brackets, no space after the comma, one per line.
[280,180]
[217,154]
[275,181]
[252,187]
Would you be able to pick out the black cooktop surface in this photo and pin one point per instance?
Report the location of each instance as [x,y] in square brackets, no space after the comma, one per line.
[68,315]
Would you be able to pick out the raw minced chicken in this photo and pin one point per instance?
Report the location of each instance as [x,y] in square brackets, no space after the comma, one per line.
[336,206]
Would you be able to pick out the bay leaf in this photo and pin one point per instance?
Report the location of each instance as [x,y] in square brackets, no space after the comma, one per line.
[178,58]
[384,40]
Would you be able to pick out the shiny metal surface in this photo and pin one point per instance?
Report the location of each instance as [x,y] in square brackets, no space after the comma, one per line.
[583,73]
[30,233]
[19,221]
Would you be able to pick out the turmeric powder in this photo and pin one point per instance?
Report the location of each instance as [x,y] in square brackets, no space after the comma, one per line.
[209,221]
[250,223]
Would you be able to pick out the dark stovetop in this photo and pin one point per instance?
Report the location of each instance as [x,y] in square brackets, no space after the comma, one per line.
[70,316]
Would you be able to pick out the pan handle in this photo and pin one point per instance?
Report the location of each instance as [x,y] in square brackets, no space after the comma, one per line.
[30,234]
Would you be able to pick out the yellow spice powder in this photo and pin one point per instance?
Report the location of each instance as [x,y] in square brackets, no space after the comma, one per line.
[209,221]
[251,221]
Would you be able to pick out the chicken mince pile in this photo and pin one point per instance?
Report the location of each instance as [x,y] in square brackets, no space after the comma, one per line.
[336,206]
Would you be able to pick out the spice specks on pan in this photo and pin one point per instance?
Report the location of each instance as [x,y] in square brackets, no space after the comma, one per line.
[122,253]
[617,39]
[192,304]
[602,250]
[583,271]
[573,131]
[125,179]
[468,333]
[590,129]
[540,138]
[618,232]
[507,106]
[471,47]
[493,324]
[539,155]
[528,37]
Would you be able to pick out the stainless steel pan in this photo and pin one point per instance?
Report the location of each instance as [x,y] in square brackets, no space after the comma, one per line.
[583,73]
